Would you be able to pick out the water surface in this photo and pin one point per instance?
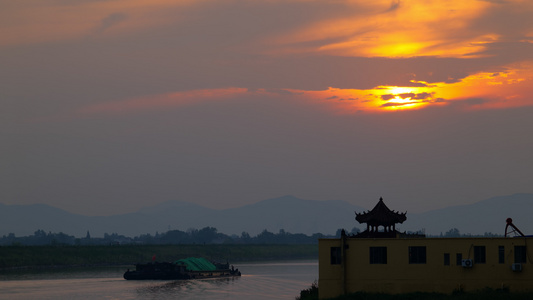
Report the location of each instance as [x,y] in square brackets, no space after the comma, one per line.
[260,281]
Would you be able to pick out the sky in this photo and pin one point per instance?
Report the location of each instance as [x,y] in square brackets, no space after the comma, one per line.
[108,106]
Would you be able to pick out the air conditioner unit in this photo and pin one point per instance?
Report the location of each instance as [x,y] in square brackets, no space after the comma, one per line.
[516,267]
[467,263]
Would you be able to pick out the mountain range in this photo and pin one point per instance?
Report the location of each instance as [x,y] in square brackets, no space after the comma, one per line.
[289,213]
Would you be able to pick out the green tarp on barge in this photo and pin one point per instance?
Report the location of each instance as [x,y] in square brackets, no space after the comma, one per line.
[196,264]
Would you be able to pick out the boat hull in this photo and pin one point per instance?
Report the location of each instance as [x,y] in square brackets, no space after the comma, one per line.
[169,271]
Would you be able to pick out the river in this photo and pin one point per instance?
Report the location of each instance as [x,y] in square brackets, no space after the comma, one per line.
[259,281]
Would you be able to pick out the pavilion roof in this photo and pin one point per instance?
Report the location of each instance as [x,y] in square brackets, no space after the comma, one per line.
[381,215]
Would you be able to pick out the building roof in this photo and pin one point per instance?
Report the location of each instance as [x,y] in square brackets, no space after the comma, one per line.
[381,215]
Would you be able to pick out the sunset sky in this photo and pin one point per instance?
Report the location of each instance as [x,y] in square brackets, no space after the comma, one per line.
[110,106]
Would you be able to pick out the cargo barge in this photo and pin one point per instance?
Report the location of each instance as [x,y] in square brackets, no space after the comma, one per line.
[188,268]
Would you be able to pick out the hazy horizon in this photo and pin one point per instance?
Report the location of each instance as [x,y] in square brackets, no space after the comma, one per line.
[391,204]
[110,106]
[288,213]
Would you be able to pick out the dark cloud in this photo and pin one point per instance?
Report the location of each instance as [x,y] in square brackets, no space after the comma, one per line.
[78,2]
[496,1]
[417,84]
[406,95]
[470,102]
[391,104]
[394,5]
[501,53]
[387,97]
[111,20]
[280,91]
[514,20]
[414,96]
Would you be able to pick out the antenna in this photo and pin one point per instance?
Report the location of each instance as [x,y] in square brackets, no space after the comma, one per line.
[514,230]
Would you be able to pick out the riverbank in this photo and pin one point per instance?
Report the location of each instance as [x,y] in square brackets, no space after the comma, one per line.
[12,257]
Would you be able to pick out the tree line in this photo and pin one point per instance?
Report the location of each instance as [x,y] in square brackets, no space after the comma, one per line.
[206,235]
[454,233]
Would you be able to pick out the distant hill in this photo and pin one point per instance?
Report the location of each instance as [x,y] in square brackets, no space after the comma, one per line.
[26,219]
[289,213]
[484,216]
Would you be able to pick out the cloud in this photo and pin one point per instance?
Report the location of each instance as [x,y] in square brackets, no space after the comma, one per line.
[413,96]
[394,5]
[398,104]
[420,96]
[167,47]
[111,20]
[415,29]
[471,102]
[280,91]
[163,101]
[174,96]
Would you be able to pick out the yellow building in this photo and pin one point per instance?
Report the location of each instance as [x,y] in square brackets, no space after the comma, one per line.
[386,261]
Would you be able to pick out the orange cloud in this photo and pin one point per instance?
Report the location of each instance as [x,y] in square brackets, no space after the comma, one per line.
[37,21]
[511,87]
[381,28]
[485,90]
[163,101]
[377,29]
[508,88]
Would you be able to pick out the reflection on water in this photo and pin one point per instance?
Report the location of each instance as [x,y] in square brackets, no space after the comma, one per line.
[188,289]
[260,281]
[184,285]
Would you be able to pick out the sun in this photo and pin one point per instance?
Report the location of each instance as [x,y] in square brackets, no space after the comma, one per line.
[396,90]
[398,103]
[401,98]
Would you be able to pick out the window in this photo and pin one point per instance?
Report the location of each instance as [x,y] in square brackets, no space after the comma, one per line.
[417,255]
[336,257]
[479,255]
[459,259]
[520,254]
[501,254]
[378,255]
[446,259]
